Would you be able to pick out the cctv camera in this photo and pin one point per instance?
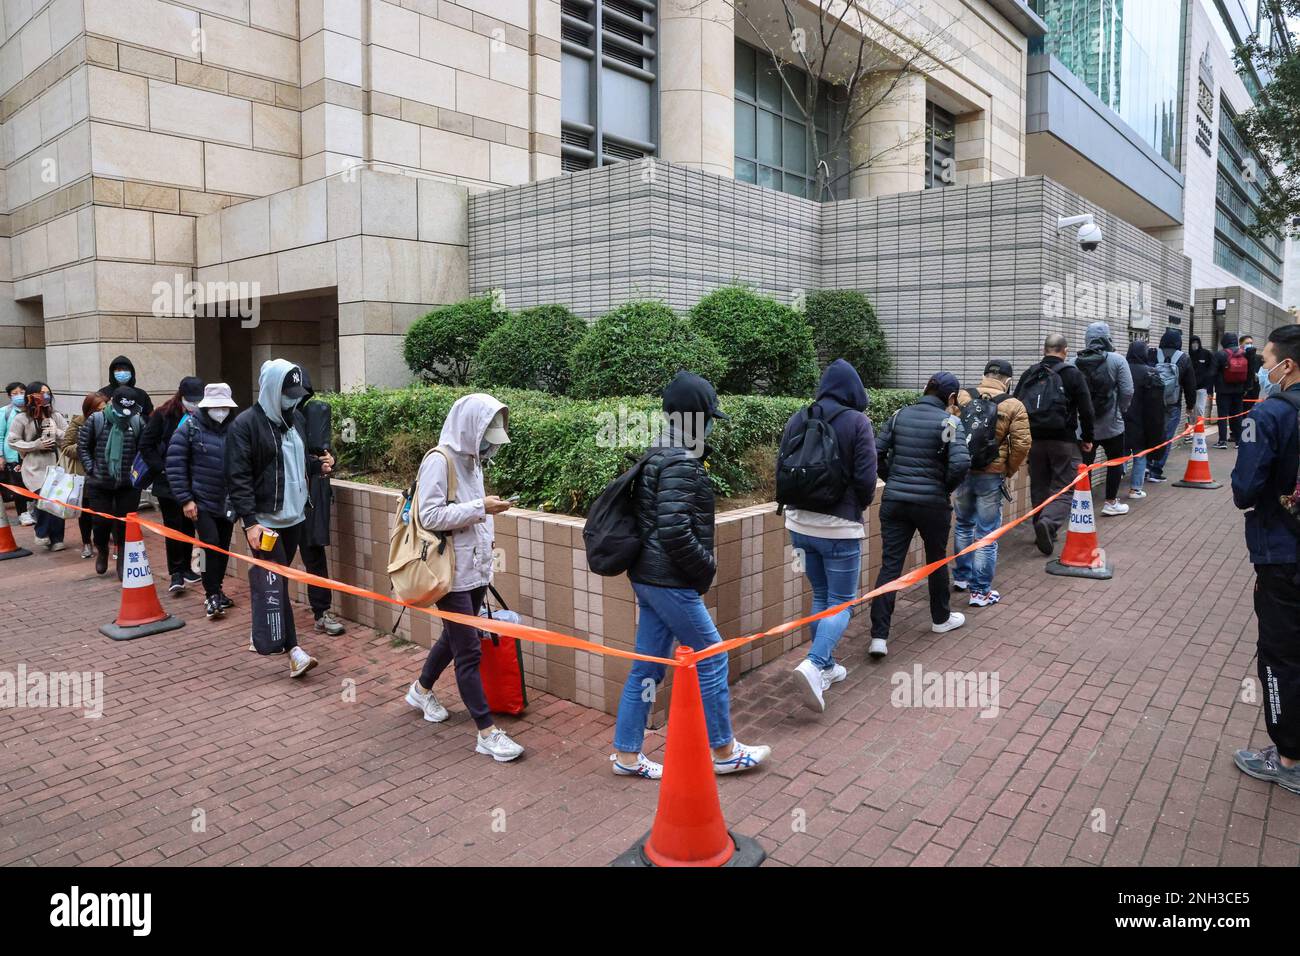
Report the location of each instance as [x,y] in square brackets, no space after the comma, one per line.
[1089,236]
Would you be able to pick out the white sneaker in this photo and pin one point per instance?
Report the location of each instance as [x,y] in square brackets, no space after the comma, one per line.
[645,767]
[955,620]
[985,599]
[433,711]
[57,546]
[742,758]
[300,662]
[1137,494]
[833,675]
[1114,508]
[878,648]
[960,585]
[807,678]
[45,542]
[498,746]
[26,520]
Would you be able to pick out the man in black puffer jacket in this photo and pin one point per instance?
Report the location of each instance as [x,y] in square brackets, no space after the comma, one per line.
[106,447]
[922,458]
[674,508]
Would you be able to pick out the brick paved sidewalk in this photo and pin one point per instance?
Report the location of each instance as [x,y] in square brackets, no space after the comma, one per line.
[1119,711]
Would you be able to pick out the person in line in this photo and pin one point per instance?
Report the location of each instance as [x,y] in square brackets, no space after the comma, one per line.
[1144,422]
[1056,398]
[1176,375]
[1263,477]
[674,569]
[1203,368]
[36,432]
[106,446]
[1254,361]
[830,540]
[316,535]
[267,471]
[72,464]
[121,374]
[154,440]
[978,501]
[1110,386]
[474,430]
[17,393]
[196,474]
[1231,374]
[923,458]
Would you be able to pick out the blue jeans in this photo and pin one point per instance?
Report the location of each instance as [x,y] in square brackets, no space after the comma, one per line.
[1138,474]
[1173,416]
[668,613]
[834,567]
[48,526]
[977,507]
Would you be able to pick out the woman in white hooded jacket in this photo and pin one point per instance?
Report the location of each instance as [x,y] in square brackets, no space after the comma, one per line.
[475,429]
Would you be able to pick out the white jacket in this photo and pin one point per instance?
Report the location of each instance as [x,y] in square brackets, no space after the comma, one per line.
[466,518]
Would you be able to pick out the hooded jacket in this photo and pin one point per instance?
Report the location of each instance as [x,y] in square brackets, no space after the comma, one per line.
[1111,422]
[139,394]
[1227,343]
[255,453]
[1170,342]
[841,394]
[922,454]
[196,462]
[464,516]
[1265,470]
[1144,422]
[1203,365]
[1014,438]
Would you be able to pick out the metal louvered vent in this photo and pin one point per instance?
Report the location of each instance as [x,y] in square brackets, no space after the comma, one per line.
[616,151]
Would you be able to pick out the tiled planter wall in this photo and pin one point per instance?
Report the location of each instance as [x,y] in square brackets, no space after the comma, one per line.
[545,579]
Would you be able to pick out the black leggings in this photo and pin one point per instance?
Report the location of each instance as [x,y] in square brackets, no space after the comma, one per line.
[178,552]
[214,529]
[462,644]
[83,525]
[12,476]
[1114,448]
[112,501]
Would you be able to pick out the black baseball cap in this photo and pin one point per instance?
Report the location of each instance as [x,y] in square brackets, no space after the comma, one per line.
[191,388]
[293,387]
[998,367]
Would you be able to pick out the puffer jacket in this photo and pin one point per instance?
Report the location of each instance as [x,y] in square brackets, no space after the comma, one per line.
[1012,432]
[674,514]
[464,516]
[923,454]
[196,463]
[155,438]
[92,444]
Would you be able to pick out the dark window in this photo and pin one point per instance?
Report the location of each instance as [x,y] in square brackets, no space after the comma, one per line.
[940,147]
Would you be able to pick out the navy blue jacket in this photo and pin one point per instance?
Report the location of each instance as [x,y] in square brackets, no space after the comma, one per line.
[196,463]
[923,458]
[841,388]
[1266,470]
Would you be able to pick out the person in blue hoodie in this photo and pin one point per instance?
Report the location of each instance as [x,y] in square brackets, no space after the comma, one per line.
[828,539]
[1264,477]
[17,398]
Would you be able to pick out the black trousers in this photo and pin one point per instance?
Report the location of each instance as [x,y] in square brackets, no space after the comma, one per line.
[1230,404]
[112,501]
[463,645]
[898,523]
[84,525]
[12,476]
[214,529]
[1114,448]
[178,552]
[313,559]
[1052,465]
[1277,608]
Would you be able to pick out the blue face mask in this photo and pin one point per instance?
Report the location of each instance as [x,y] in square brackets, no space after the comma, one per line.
[18,400]
[1266,387]
[121,376]
[287,403]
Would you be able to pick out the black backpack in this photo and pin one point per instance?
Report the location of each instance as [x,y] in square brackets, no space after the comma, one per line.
[809,473]
[1043,395]
[979,417]
[610,535]
[1101,383]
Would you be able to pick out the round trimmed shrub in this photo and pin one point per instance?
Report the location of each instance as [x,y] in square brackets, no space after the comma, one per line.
[844,326]
[440,347]
[637,349]
[768,347]
[530,349]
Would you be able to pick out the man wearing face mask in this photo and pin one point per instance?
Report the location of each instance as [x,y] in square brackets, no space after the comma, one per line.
[1254,361]
[121,374]
[267,471]
[17,400]
[1264,476]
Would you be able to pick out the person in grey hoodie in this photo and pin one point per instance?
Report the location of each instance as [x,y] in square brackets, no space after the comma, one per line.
[1110,383]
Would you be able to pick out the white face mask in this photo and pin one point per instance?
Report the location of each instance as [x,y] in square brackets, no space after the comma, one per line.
[218,414]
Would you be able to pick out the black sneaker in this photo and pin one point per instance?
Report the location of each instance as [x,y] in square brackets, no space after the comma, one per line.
[191,578]
[212,607]
[178,584]
[101,562]
[1220,444]
[225,601]
[1266,765]
[1043,538]
[1156,478]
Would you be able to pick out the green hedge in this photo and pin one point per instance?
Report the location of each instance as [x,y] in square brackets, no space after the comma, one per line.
[440,347]
[530,349]
[556,460]
[845,326]
[768,347]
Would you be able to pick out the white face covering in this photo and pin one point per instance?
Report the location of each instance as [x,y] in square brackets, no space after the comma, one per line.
[218,414]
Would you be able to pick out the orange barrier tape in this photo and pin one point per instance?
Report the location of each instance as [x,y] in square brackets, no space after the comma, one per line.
[525,632]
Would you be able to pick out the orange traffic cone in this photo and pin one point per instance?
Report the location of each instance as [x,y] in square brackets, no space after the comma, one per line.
[1081,557]
[688,828]
[1198,465]
[141,614]
[8,546]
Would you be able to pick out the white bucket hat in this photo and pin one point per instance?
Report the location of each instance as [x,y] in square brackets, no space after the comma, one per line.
[217,395]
